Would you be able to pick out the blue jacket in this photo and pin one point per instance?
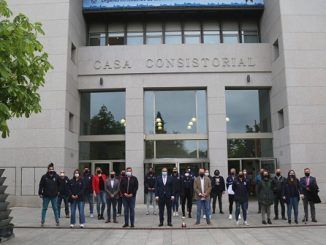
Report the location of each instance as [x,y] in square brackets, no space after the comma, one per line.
[229,180]
[162,190]
[241,190]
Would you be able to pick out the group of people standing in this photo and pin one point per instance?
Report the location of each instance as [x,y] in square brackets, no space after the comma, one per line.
[111,191]
[166,191]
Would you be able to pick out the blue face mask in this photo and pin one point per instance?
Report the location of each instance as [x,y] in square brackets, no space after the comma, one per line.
[164,173]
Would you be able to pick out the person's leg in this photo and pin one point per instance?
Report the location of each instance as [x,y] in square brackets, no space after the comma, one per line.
[114,207]
[132,210]
[66,206]
[73,212]
[207,209]
[268,209]
[98,204]
[108,209]
[312,210]
[213,199]
[82,212]
[183,205]
[282,207]
[161,209]
[168,203]
[276,199]
[45,205]
[237,210]
[289,209]
[305,208]
[198,211]
[54,204]
[148,199]
[154,202]
[126,210]
[219,195]
[103,202]
[263,212]
[244,207]
[119,205]
[296,208]
[59,205]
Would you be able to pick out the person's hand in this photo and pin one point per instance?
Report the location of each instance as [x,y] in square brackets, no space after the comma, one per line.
[94,194]
[200,194]
[172,198]
[301,196]
[41,196]
[223,192]
[284,198]
[156,198]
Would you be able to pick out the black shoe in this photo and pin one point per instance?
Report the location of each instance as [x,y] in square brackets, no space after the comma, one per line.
[275,218]
[189,216]
[289,221]
[108,221]
[114,221]
[264,222]
[102,217]
[125,225]
[208,222]
[259,212]
[314,220]
[213,212]
[221,212]
[304,220]
[132,226]
[296,221]
[269,221]
[169,224]
[99,217]
[160,225]
[283,218]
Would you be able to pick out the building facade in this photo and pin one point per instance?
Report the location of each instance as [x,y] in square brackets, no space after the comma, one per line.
[213,84]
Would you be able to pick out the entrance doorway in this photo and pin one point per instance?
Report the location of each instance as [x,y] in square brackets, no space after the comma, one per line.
[106,166]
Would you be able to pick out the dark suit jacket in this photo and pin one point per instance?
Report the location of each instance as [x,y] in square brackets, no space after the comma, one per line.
[310,191]
[162,190]
[115,191]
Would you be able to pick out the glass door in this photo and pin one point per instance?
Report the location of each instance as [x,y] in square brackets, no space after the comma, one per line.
[269,165]
[234,164]
[104,166]
[158,168]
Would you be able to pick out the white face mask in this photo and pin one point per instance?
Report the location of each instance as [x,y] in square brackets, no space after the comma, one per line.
[128,174]
[186,174]
[206,174]
[77,175]
[62,174]
[164,173]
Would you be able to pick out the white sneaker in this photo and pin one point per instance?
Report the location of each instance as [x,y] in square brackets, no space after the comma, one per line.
[239,216]
[72,226]
[92,216]
[204,216]
[176,214]
[238,222]
[246,223]
[173,214]
[230,216]
[81,225]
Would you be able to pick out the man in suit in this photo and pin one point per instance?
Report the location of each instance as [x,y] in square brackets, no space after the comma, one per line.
[164,195]
[202,188]
[128,189]
[112,189]
[308,191]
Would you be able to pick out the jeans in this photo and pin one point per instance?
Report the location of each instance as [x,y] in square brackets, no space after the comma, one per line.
[265,209]
[100,199]
[65,200]
[112,202]
[312,209]
[80,205]
[90,200]
[281,201]
[54,203]
[175,203]
[129,209]
[293,202]
[150,198]
[244,207]
[231,201]
[202,204]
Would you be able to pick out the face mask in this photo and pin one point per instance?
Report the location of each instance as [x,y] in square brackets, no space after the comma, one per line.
[232,173]
[62,174]
[278,174]
[206,174]
[265,176]
[86,171]
[175,172]
[77,175]
[164,173]
[217,173]
[307,174]
[112,176]
[244,173]
[150,172]
[291,176]
[123,174]
[98,171]
[128,174]
[186,174]
[51,172]
[189,169]
[201,175]
[240,176]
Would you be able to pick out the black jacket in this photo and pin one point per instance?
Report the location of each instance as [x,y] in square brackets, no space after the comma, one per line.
[291,190]
[162,190]
[176,183]
[133,186]
[241,190]
[218,184]
[63,186]
[76,187]
[310,192]
[187,185]
[88,187]
[49,185]
[149,182]
[278,186]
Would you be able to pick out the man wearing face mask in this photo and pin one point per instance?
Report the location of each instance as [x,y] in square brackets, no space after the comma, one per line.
[202,189]
[48,191]
[99,192]
[209,202]
[218,189]
[241,196]
[278,183]
[122,175]
[177,190]
[265,197]
[128,189]
[309,195]
[229,183]
[257,181]
[112,187]
[88,190]
[164,195]
[149,184]
[187,190]
[63,193]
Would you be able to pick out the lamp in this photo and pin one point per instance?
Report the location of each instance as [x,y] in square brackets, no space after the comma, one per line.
[227,119]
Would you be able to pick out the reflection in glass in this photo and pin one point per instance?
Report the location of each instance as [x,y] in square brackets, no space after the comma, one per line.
[135,38]
[97,39]
[240,148]
[101,150]
[173,37]
[248,111]
[116,38]
[179,149]
[154,37]
[102,113]
[175,112]
[192,37]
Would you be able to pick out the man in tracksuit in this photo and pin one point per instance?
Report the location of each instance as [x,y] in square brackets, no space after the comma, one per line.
[63,193]
[187,192]
[48,191]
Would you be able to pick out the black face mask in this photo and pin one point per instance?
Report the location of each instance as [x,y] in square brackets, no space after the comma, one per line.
[86,171]
[175,172]
[201,175]
[240,176]
[217,173]
[112,176]
[232,174]
[278,174]
[292,177]
[98,171]
[123,174]
[265,177]
[307,174]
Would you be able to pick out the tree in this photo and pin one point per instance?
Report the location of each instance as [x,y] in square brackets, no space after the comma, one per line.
[23,66]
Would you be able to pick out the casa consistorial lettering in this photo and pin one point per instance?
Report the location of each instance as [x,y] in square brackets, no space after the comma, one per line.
[112,65]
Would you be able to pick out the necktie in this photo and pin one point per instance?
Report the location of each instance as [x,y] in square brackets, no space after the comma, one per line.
[128,186]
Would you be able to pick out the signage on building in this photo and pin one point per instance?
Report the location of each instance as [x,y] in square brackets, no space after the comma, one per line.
[102,5]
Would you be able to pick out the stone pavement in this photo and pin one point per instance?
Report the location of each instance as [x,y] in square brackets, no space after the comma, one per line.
[221,231]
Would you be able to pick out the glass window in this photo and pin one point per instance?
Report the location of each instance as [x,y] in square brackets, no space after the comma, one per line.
[154,34]
[249,32]
[97,39]
[192,33]
[135,35]
[173,34]
[248,111]
[101,150]
[116,35]
[230,32]
[176,149]
[241,148]
[175,112]
[102,113]
[211,32]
